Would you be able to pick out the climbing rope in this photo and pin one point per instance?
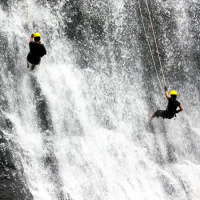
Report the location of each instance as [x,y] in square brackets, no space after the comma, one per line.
[30,16]
[147,39]
[65,112]
[182,136]
[74,132]
[189,156]
[155,43]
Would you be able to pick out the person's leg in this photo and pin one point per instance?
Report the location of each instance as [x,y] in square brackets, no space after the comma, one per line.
[158,113]
[33,67]
[170,116]
[30,62]
[154,115]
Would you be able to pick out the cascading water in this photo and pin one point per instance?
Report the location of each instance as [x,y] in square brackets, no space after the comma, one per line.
[76,128]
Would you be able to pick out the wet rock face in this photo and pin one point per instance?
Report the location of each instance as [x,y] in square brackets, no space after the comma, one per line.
[11,185]
[4,4]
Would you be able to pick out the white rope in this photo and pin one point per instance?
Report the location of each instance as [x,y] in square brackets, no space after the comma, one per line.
[147,39]
[183,139]
[30,16]
[156,43]
[74,132]
[189,156]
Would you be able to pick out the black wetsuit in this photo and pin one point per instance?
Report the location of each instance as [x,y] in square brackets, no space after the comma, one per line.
[170,111]
[37,50]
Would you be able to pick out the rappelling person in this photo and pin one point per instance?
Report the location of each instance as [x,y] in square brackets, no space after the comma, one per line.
[37,50]
[173,104]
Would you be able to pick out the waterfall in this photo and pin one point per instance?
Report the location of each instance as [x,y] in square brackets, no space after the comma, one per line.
[77,127]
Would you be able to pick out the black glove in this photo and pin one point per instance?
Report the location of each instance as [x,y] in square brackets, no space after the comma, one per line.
[32,35]
[165,88]
[176,111]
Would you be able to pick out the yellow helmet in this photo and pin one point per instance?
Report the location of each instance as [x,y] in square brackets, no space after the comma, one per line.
[173,92]
[37,35]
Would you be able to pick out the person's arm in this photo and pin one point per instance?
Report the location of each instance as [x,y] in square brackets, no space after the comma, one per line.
[181,108]
[166,93]
[45,51]
[31,40]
